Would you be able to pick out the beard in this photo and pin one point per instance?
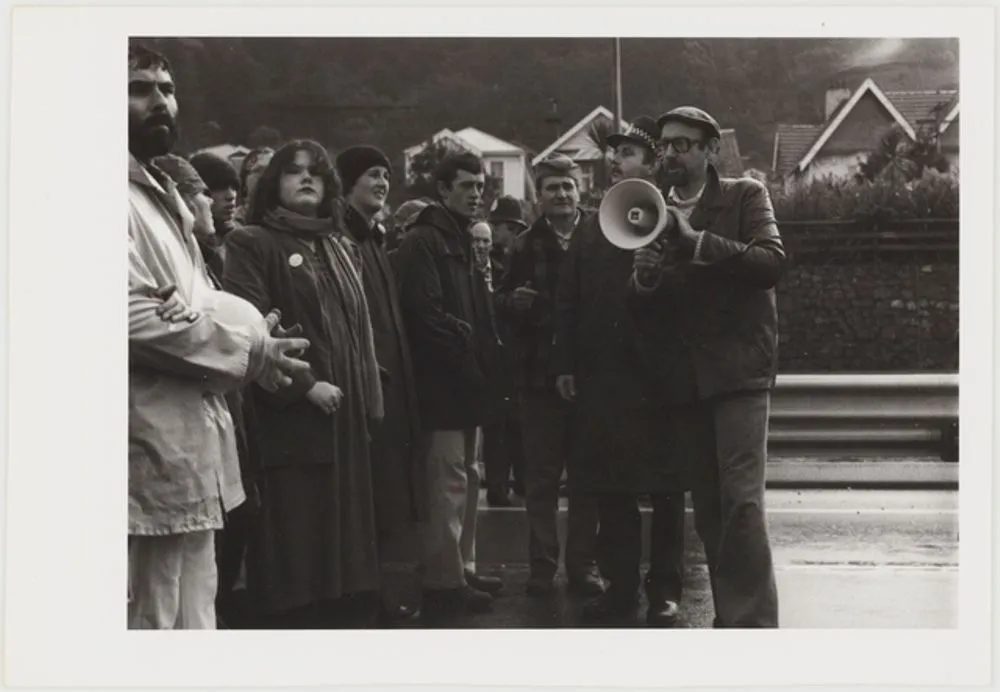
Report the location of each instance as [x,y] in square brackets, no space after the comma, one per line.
[668,174]
[153,137]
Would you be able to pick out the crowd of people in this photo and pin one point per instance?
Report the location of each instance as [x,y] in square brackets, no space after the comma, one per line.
[312,377]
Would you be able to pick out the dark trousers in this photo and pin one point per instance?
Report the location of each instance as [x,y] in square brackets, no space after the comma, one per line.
[546,426]
[230,549]
[503,447]
[727,488]
[620,544]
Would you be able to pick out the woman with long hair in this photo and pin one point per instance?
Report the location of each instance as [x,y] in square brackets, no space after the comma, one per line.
[313,560]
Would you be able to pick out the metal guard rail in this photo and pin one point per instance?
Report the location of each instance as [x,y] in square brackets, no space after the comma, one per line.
[861,414]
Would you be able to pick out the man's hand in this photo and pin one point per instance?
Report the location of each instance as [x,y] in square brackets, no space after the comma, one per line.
[326,397]
[566,386]
[173,309]
[280,354]
[522,297]
[648,262]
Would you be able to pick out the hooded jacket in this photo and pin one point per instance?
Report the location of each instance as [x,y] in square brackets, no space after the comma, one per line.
[448,314]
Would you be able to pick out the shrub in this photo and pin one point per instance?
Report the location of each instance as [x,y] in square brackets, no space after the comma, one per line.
[933,195]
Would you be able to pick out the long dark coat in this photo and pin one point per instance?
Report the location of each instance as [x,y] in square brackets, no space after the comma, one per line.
[621,439]
[316,537]
[398,444]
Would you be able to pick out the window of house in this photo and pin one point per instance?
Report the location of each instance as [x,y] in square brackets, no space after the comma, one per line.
[496,169]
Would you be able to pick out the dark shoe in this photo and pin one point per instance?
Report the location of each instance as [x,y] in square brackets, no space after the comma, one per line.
[662,613]
[398,616]
[539,585]
[587,585]
[517,488]
[612,607]
[490,585]
[498,497]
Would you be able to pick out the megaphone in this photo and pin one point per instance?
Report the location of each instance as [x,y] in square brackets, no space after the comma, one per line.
[633,214]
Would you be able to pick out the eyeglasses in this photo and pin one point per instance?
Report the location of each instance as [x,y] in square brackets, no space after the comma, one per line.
[681,145]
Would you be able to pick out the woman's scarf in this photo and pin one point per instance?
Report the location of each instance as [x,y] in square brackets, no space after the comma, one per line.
[306,227]
[323,233]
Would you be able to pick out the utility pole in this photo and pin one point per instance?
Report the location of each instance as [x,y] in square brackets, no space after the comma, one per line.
[618,85]
[554,119]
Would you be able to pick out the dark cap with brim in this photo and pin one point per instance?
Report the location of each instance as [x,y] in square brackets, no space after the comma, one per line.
[643,132]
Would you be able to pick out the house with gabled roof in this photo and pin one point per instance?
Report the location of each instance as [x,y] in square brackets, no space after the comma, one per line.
[855,124]
[504,161]
[577,144]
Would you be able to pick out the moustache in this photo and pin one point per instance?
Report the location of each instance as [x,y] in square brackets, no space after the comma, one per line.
[160,119]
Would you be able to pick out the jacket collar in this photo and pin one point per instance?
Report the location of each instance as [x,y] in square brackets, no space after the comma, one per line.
[437,215]
[358,227]
[711,197]
[711,201]
[147,175]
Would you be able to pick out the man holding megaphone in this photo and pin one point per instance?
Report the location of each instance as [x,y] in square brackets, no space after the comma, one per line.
[703,300]
[619,448]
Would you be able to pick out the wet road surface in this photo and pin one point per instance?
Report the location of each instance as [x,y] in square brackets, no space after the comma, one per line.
[843,559]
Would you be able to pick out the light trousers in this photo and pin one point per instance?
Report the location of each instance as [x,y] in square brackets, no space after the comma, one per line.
[453,482]
[172,580]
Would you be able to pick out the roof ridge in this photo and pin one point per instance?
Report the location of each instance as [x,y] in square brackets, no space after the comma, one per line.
[921,91]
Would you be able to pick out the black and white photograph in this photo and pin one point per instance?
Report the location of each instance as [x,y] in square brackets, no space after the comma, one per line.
[573,334]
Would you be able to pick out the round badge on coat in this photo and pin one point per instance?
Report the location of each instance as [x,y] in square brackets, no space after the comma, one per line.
[295,260]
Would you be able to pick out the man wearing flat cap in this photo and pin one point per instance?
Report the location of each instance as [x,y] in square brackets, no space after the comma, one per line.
[399,471]
[705,307]
[620,449]
[526,297]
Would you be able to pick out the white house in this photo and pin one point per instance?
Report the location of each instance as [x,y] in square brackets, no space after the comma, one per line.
[577,144]
[504,161]
[855,124]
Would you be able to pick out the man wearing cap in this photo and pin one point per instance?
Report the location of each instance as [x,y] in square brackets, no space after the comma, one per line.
[705,304]
[621,449]
[503,443]
[526,297]
[399,458]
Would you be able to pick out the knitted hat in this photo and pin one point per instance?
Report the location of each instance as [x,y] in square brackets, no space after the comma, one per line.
[182,173]
[557,165]
[217,173]
[354,161]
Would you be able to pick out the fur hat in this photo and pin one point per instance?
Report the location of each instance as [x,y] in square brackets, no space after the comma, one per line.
[354,161]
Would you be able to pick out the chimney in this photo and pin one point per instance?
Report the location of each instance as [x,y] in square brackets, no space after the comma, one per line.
[836,94]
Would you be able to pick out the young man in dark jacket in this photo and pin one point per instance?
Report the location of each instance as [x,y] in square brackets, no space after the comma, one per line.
[526,297]
[622,450]
[705,302]
[448,316]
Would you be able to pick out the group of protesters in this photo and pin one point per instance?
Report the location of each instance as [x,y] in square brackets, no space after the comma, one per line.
[313,378]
